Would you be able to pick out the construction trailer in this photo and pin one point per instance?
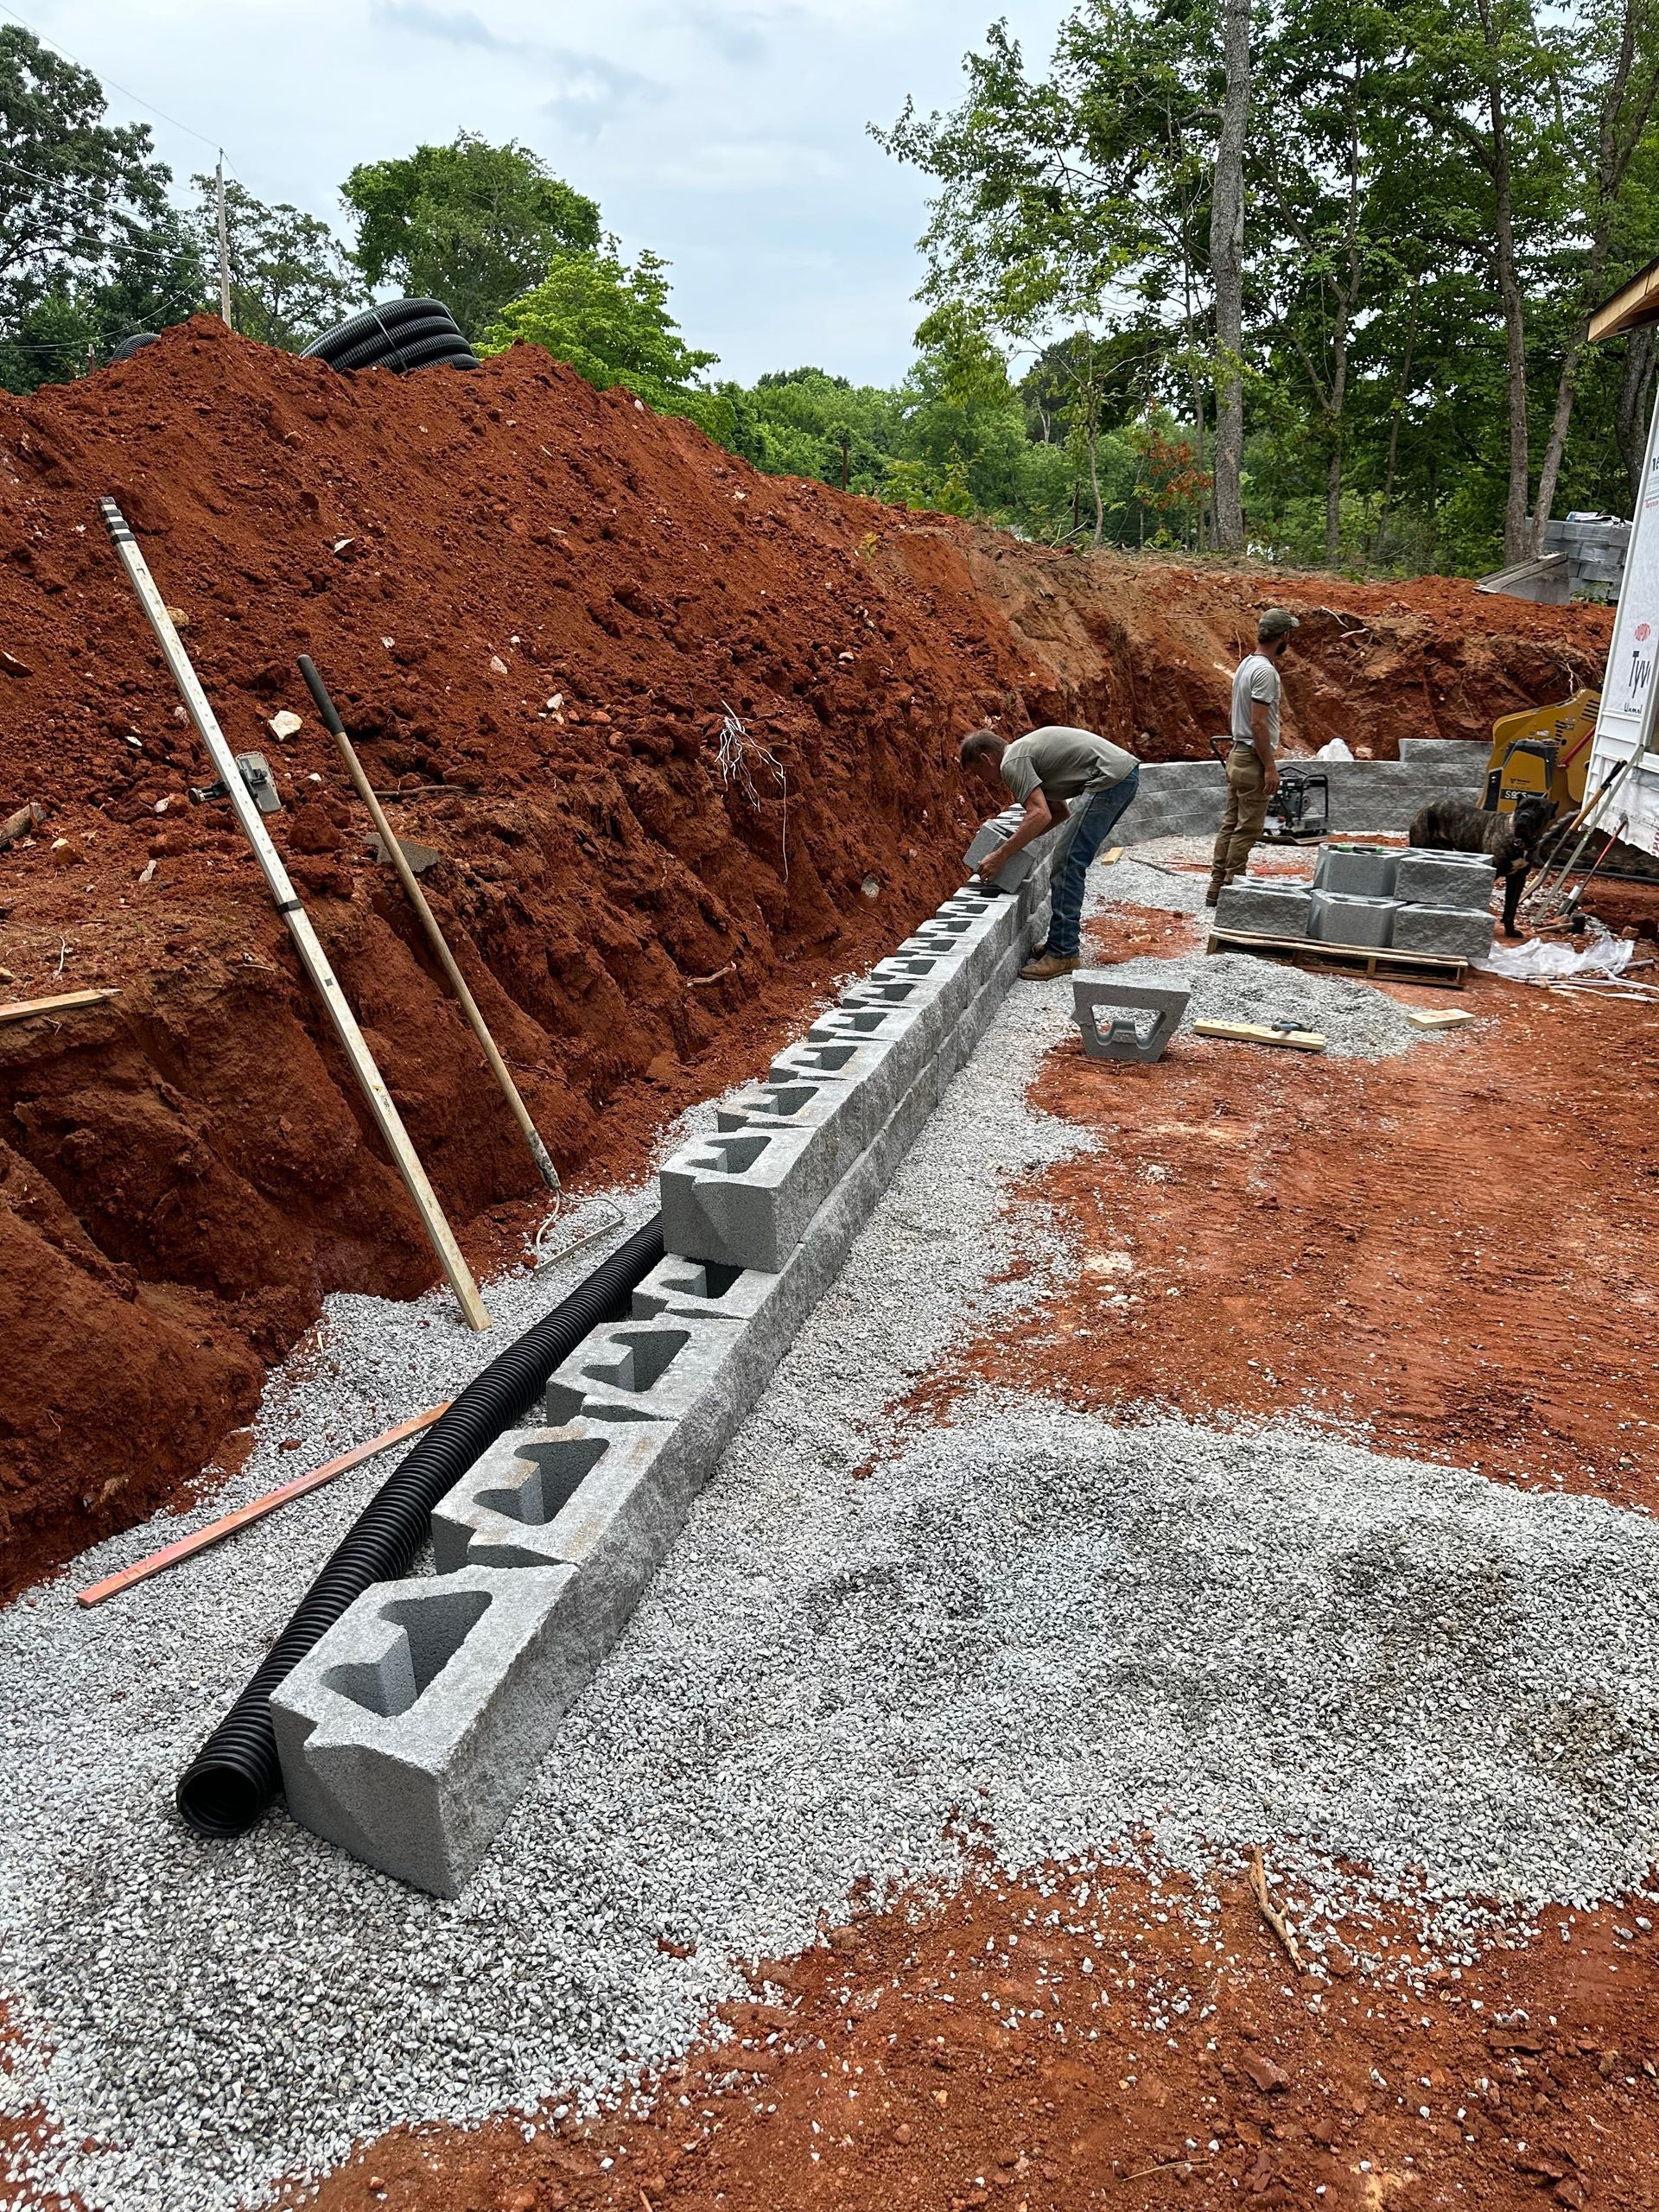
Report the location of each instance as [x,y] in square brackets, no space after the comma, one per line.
[1623,763]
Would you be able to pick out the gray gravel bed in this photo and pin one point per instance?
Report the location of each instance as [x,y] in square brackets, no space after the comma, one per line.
[1073,1629]
[1357,1021]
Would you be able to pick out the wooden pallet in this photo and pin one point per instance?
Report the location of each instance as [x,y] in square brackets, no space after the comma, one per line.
[1345,959]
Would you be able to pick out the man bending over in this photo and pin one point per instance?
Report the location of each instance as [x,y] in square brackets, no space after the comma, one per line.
[1050,771]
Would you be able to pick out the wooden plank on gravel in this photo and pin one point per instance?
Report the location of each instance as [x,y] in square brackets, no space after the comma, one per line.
[1258,1032]
[186,1547]
[1345,959]
[22,1009]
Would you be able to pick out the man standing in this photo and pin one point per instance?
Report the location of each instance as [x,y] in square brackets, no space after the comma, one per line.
[1048,772]
[1252,771]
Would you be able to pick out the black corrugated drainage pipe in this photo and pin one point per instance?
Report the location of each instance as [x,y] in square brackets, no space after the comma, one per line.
[235,1775]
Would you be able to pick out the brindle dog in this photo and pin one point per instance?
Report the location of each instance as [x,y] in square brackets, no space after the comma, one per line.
[1458,825]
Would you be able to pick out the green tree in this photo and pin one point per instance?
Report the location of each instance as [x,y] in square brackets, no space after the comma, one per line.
[471,223]
[611,323]
[88,238]
[291,279]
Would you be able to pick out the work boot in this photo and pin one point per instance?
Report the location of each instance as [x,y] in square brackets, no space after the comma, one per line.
[1045,969]
[1213,893]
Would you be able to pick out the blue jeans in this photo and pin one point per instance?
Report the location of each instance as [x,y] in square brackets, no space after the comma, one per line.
[1100,817]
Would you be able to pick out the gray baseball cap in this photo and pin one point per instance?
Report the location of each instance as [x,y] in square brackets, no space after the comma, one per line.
[1277,622]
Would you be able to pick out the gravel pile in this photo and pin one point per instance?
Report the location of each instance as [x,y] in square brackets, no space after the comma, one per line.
[1070,1629]
[1358,1022]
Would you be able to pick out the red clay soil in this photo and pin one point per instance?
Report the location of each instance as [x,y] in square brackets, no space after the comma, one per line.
[887,2080]
[533,603]
[1452,1247]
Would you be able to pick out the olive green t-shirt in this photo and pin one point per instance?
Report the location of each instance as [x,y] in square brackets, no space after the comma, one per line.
[1067,763]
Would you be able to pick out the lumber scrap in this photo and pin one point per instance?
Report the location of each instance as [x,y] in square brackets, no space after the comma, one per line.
[228,1523]
[1425,1017]
[64,1002]
[1258,1032]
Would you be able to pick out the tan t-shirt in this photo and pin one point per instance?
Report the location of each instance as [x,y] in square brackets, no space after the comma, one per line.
[1067,763]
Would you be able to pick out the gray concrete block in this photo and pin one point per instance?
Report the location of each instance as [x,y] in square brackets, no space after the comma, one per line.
[1336,918]
[606,1497]
[703,1290]
[1431,879]
[1124,1022]
[745,1197]
[660,1369]
[1448,933]
[412,1728]
[1357,871]
[1018,871]
[1260,907]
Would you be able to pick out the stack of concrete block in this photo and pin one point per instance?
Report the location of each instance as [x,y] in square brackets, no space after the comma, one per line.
[412,1727]
[1444,904]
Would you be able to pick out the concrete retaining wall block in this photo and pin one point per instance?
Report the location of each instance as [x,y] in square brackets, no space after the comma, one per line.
[1338,919]
[655,1370]
[746,1197]
[1449,932]
[1124,1022]
[1261,907]
[410,1729]
[1357,871]
[1431,879]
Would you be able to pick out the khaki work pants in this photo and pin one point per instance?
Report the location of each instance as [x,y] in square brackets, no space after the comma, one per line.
[1247,810]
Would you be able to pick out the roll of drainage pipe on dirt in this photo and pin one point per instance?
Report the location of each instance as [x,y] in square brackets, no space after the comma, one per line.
[235,1775]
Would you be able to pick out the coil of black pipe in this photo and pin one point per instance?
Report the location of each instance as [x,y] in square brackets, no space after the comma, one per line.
[235,1775]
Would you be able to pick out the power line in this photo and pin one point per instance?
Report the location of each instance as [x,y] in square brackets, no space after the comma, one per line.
[110,81]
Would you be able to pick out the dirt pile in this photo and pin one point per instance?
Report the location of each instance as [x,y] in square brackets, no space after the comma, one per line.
[537,605]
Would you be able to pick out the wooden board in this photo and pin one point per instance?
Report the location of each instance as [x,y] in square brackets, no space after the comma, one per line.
[23,1009]
[1116,854]
[1344,959]
[186,1547]
[1257,1033]
[1421,1018]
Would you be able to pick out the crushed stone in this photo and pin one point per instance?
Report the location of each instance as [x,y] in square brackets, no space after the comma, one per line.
[1357,1020]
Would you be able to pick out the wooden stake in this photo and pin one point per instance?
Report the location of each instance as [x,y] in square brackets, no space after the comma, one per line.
[186,1547]
[417,898]
[1257,1033]
[24,1009]
[307,942]
[1269,1911]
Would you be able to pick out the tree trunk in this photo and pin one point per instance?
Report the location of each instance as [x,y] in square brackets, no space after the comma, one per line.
[1517,537]
[1227,267]
[1333,466]
[1094,474]
[1395,413]
[1635,402]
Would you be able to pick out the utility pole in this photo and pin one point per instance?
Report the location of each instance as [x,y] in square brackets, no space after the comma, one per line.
[224,246]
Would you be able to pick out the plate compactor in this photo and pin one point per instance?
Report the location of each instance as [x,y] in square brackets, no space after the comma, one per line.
[1299,810]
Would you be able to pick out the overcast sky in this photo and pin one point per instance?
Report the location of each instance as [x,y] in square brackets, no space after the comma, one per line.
[727,135]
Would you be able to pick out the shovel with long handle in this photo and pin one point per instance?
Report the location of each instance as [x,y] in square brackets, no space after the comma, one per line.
[417,900]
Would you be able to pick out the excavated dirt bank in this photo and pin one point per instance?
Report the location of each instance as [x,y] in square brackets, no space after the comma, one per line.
[926,2059]
[534,604]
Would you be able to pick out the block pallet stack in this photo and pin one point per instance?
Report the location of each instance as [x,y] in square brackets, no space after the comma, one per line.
[1426,904]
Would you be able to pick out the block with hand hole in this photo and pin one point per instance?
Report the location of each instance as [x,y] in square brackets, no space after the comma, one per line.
[746,1197]
[654,1369]
[1357,871]
[871,1072]
[1257,906]
[703,1290]
[606,1497]
[1013,874]
[861,1025]
[410,1728]
[1124,1022]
